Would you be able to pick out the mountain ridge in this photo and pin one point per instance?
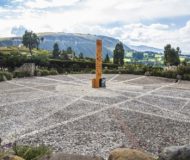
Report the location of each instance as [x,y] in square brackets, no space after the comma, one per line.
[85,43]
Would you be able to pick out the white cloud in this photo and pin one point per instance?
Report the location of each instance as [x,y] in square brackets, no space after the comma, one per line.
[39,4]
[89,16]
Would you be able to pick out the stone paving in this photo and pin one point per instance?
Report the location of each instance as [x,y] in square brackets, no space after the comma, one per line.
[65,113]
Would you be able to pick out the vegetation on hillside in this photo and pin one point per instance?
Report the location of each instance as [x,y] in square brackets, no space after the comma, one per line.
[65,61]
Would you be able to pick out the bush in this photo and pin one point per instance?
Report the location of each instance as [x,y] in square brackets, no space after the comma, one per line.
[53,72]
[45,72]
[139,71]
[68,65]
[109,71]
[170,74]
[186,77]
[183,70]
[31,153]
[156,72]
[8,75]
[13,59]
[4,75]
[20,74]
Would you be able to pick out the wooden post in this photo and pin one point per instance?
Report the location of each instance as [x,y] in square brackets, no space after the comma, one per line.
[96,81]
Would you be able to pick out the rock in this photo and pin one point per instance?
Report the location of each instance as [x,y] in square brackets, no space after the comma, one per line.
[12,157]
[129,154]
[175,153]
[63,156]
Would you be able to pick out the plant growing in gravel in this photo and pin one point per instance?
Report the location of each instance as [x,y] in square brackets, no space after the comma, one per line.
[31,152]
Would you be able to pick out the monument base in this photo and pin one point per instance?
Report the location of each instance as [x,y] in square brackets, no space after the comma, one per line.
[95,83]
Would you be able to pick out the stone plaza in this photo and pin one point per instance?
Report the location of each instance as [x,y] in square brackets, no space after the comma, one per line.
[66,113]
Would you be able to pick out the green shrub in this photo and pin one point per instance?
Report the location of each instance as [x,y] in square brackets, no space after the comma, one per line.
[183,70]
[186,77]
[31,153]
[19,74]
[42,72]
[53,72]
[93,72]
[156,72]
[8,75]
[4,75]
[169,74]
[139,71]
[109,71]
[2,78]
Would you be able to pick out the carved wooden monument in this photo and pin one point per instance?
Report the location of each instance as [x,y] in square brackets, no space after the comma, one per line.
[96,81]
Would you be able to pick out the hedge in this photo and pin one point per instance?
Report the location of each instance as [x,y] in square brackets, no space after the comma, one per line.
[4,75]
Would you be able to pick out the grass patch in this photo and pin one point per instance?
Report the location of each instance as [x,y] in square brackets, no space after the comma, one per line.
[32,153]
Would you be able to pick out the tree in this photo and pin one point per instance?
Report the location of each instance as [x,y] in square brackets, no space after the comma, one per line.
[30,40]
[56,51]
[64,55]
[107,59]
[118,54]
[69,50]
[171,55]
[81,56]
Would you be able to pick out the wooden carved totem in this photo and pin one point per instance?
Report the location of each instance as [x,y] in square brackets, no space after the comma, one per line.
[96,81]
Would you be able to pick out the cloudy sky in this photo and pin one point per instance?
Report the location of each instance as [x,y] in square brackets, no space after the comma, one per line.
[135,22]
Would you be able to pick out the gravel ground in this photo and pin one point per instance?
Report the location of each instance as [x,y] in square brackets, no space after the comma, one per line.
[65,113]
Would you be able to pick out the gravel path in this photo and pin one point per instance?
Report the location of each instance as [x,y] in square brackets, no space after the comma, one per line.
[65,113]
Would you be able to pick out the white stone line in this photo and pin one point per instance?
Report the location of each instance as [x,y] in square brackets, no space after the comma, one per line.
[95,132]
[152,114]
[65,122]
[162,109]
[143,94]
[173,97]
[119,90]
[21,85]
[98,103]
[29,83]
[30,100]
[77,79]
[60,81]
[114,77]
[57,110]
[147,85]
[34,99]
[47,85]
[188,102]
[14,89]
[82,116]
[156,106]
[156,89]
[129,80]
